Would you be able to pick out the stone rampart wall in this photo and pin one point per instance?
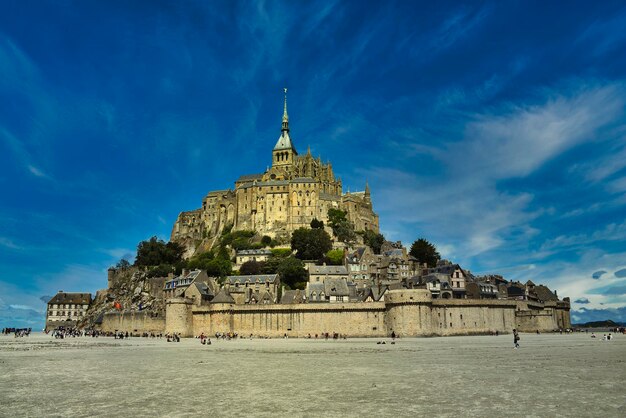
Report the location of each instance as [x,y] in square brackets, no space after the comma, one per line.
[132,322]
[420,317]
[405,312]
[353,319]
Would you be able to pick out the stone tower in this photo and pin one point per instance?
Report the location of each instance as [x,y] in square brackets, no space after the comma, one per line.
[284,152]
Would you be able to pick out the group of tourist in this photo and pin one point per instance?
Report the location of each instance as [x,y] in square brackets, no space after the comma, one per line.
[204,340]
[604,337]
[172,338]
[18,332]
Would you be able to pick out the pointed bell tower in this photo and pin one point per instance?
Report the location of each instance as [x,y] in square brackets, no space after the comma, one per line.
[284,152]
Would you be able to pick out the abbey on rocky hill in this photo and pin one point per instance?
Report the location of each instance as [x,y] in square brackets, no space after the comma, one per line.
[291,193]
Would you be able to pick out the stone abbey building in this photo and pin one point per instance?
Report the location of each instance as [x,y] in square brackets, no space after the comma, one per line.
[291,193]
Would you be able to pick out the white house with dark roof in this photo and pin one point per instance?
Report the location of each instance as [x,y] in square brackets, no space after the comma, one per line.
[66,309]
[251,255]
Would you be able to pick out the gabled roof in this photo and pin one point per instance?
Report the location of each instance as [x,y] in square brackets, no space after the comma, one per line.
[204,289]
[334,270]
[262,296]
[544,293]
[396,252]
[74,298]
[292,296]
[336,287]
[223,297]
[316,287]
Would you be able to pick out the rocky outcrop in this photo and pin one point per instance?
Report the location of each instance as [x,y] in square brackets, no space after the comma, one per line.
[130,290]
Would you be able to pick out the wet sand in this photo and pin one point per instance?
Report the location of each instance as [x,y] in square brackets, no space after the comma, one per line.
[550,375]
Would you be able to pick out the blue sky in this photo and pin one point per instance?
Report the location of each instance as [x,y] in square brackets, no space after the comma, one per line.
[495,130]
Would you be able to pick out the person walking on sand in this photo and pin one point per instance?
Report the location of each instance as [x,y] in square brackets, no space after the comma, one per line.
[515,339]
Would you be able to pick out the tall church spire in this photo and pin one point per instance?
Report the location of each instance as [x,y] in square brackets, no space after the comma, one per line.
[285,115]
[284,152]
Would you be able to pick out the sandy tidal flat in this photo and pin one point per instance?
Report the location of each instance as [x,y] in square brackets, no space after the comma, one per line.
[550,375]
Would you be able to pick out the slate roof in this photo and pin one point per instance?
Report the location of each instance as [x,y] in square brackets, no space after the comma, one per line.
[330,270]
[358,253]
[284,142]
[394,253]
[250,177]
[262,278]
[74,298]
[223,297]
[262,296]
[204,289]
[545,294]
[447,269]
[336,287]
[292,296]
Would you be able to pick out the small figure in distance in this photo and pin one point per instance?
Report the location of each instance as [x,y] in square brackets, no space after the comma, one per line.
[515,339]
[593,335]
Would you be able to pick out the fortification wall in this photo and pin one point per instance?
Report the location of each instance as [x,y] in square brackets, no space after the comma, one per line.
[406,312]
[132,322]
[414,313]
[353,319]
[531,317]
[178,319]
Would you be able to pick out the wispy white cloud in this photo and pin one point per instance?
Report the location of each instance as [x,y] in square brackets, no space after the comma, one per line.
[8,243]
[457,26]
[519,141]
[508,142]
[610,232]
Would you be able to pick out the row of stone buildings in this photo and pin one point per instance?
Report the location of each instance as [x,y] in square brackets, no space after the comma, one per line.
[363,277]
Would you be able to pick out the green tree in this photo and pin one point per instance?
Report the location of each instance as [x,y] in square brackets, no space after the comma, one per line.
[270,266]
[200,261]
[335,257]
[281,252]
[154,252]
[344,232]
[373,240]
[425,252]
[250,267]
[310,244]
[219,267]
[266,240]
[316,224]
[342,228]
[123,264]
[292,273]
[335,217]
[160,271]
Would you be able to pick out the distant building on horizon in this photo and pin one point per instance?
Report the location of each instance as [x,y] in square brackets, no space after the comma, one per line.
[66,309]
